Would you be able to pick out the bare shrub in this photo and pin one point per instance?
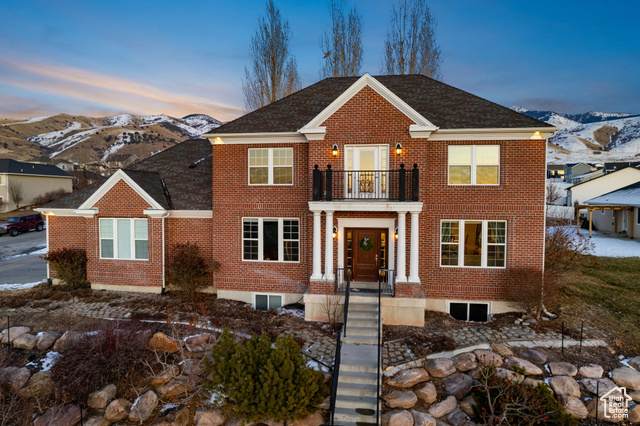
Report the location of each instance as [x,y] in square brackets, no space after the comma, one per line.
[189,270]
[16,193]
[70,266]
[332,309]
[533,291]
[49,196]
[565,250]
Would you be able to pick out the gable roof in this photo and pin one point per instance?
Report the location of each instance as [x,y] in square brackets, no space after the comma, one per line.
[442,105]
[185,169]
[625,196]
[14,167]
[605,176]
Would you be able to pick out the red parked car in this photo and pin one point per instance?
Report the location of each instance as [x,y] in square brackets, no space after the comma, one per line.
[17,224]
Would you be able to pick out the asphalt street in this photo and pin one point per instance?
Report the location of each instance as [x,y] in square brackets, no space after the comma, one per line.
[20,261]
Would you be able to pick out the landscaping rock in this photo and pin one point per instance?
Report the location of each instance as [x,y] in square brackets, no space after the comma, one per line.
[592,371]
[397,418]
[40,385]
[635,395]
[314,419]
[14,377]
[46,340]
[635,363]
[465,361]
[13,333]
[143,407]
[97,421]
[117,410]
[488,357]
[602,386]
[209,418]
[422,419]
[530,369]
[458,385]
[574,407]
[192,367]
[509,375]
[101,398]
[175,388]
[444,407]
[467,405]
[401,399]
[200,342]
[427,393]
[563,369]
[627,377]
[63,342]
[565,385]
[535,382]
[458,418]
[409,378]
[440,367]
[175,418]
[169,373]
[634,414]
[162,343]
[591,408]
[66,415]
[533,355]
[25,341]
[502,349]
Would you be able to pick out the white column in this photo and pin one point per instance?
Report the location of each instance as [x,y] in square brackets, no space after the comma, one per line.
[328,247]
[316,274]
[414,254]
[401,273]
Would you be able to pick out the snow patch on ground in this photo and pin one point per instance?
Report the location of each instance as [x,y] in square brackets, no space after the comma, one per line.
[606,246]
[29,120]
[117,145]
[72,140]
[11,287]
[46,139]
[119,120]
[50,360]
[293,312]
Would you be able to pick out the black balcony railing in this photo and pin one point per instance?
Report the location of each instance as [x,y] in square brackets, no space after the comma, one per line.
[392,185]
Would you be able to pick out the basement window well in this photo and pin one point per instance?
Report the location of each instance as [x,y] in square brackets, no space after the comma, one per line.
[478,312]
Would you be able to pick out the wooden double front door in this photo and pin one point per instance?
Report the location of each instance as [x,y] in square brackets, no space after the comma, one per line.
[366,252]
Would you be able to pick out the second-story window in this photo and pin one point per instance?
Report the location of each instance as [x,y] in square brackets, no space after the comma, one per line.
[270,166]
[474,164]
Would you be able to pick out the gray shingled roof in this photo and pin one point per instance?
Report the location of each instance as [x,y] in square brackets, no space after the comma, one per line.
[445,106]
[626,196]
[14,167]
[185,169]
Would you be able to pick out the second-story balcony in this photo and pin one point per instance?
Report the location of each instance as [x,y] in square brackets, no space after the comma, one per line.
[389,185]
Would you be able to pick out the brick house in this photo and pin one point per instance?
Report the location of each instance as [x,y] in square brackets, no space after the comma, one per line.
[405,181]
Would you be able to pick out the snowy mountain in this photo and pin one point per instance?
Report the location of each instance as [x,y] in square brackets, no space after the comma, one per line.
[82,139]
[591,136]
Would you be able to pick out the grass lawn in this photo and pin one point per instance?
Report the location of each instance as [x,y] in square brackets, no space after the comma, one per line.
[605,293]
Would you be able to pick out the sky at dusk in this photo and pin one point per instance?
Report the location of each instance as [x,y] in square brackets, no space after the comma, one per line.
[89,57]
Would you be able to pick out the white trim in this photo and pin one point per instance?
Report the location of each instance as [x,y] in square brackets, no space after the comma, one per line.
[195,214]
[468,302]
[359,206]
[492,134]
[270,167]
[257,293]
[314,133]
[111,182]
[155,214]
[485,243]
[367,223]
[88,213]
[255,138]
[36,175]
[473,165]
[388,95]
[420,132]
[132,238]
[58,212]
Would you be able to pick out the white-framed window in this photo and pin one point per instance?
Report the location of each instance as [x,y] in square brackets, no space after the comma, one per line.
[270,166]
[124,239]
[473,243]
[637,215]
[469,311]
[266,301]
[474,164]
[271,239]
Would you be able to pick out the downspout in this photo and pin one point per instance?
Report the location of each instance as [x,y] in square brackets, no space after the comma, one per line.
[47,236]
[163,255]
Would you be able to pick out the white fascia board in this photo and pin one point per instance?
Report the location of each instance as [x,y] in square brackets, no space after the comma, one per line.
[366,206]
[155,213]
[64,212]
[195,214]
[255,138]
[388,95]
[314,133]
[88,213]
[522,133]
[111,182]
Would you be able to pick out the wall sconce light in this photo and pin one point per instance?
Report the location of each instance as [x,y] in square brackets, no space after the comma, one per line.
[398,148]
[334,150]
[396,233]
[335,232]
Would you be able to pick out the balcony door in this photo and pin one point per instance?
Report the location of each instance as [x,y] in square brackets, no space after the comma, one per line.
[367,171]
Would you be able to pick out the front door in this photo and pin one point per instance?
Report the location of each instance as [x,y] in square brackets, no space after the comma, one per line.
[366,252]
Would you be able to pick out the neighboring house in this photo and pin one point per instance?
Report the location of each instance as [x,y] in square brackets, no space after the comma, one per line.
[617,211]
[120,161]
[578,194]
[572,170]
[66,166]
[82,178]
[404,180]
[33,179]
[612,167]
[555,171]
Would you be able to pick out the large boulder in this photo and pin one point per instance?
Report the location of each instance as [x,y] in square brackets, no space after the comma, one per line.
[200,342]
[634,414]
[65,415]
[458,418]
[444,407]
[101,398]
[422,419]
[626,377]
[591,371]
[175,418]
[597,386]
[467,405]
[427,393]
[46,340]
[117,410]
[565,385]
[175,388]
[465,361]
[563,369]
[574,407]
[401,399]
[486,357]
[25,341]
[408,378]
[533,355]
[397,418]
[162,343]
[635,363]
[143,407]
[167,374]
[209,418]
[40,385]
[596,408]
[502,349]
[14,377]
[440,367]
[63,342]
[12,333]
[458,385]
[97,421]
[530,369]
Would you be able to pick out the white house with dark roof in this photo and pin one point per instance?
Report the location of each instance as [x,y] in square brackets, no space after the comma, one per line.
[32,180]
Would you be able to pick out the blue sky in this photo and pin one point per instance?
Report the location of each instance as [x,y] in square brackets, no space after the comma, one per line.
[94,57]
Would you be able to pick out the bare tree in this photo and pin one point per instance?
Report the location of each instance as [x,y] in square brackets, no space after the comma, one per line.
[342,47]
[16,193]
[411,46]
[273,73]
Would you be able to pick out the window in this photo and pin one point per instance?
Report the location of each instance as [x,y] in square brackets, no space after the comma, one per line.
[637,215]
[124,239]
[1,179]
[270,166]
[264,302]
[475,243]
[271,239]
[469,311]
[474,164]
